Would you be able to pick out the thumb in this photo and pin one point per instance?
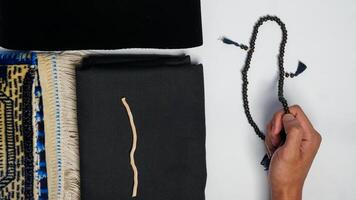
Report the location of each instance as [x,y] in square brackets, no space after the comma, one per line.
[293,130]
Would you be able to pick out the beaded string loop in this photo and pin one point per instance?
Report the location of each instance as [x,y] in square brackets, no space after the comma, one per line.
[282,74]
[250,50]
[246,67]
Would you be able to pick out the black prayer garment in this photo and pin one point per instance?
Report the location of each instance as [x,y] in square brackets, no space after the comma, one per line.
[99,24]
[165,95]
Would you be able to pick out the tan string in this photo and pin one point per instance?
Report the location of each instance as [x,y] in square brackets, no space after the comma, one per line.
[133,149]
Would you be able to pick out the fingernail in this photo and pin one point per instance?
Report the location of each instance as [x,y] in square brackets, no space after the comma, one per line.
[288,117]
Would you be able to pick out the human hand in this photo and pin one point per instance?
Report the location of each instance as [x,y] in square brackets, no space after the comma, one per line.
[292,160]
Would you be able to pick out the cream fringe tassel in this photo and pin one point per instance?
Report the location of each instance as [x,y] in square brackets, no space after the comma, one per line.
[57,77]
[134,146]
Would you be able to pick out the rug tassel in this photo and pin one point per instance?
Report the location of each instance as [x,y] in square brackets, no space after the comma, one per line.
[63,184]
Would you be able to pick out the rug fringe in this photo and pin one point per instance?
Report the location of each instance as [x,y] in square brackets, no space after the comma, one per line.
[45,74]
[57,75]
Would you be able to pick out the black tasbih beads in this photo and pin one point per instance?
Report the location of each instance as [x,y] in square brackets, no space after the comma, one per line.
[280,66]
[250,50]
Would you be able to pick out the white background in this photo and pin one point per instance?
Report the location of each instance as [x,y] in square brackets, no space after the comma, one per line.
[322,34]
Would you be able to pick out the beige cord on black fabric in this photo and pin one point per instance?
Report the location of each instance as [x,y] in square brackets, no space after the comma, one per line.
[133,149]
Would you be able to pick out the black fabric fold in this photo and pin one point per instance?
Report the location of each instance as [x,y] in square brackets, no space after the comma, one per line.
[166,96]
[100,24]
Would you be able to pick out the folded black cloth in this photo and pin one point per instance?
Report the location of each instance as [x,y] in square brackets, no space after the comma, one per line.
[99,24]
[166,97]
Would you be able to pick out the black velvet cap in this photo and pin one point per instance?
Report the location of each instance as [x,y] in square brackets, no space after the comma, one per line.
[99,24]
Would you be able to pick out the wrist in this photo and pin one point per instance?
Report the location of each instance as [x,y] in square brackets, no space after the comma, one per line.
[287,193]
